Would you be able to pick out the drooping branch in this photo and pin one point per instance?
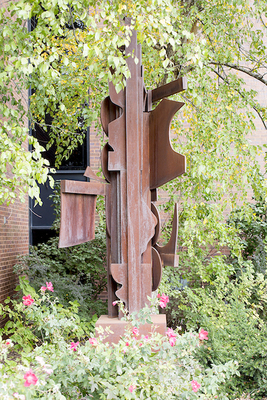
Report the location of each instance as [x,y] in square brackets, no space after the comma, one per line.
[263,23]
[73,27]
[240,93]
[246,70]
[189,101]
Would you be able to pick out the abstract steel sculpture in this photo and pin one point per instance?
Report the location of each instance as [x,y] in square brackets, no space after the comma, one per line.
[137,159]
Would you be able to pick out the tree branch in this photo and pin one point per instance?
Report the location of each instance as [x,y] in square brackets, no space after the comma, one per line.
[265,26]
[246,70]
[189,101]
[241,94]
[73,27]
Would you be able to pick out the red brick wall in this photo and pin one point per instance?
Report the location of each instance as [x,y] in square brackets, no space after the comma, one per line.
[14,231]
[95,149]
[14,240]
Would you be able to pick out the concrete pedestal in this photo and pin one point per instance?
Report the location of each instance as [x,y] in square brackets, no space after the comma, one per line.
[118,327]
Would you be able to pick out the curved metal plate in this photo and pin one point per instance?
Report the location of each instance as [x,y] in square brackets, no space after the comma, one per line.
[117,98]
[108,212]
[156,269]
[117,142]
[107,113]
[77,224]
[168,252]
[165,163]
[157,228]
[148,223]
[119,274]
[104,162]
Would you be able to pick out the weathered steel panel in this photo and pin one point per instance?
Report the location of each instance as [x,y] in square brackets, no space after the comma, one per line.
[169,89]
[165,163]
[77,219]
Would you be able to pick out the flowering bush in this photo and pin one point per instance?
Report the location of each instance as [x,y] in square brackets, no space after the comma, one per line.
[77,273]
[40,318]
[146,367]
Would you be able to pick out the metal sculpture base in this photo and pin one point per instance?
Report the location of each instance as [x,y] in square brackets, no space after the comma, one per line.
[118,327]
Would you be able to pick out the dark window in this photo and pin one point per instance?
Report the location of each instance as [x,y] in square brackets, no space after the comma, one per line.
[76,161]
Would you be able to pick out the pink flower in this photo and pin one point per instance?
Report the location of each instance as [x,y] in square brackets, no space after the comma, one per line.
[203,335]
[135,331]
[170,333]
[127,344]
[114,303]
[163,300]
[93,341]
[49,286]
[73,346]
[27,300]
[140,344]
[195,386]
[30,378]
[132,388]
[158,295]
[172,341]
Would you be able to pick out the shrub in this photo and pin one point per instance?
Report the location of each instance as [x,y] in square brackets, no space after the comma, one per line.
[42,319]
[234,314]
[151,367]
[226,295]
[78,272]
[252,227]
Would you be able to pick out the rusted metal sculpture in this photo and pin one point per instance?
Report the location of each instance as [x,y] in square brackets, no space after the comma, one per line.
[137,159]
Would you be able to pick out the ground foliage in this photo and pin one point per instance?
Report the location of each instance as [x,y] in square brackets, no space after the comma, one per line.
[67,58]
[138,367]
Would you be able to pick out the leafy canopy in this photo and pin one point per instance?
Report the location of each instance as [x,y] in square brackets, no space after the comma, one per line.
[67,57]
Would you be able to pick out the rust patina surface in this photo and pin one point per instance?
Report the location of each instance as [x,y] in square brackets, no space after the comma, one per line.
[137,159]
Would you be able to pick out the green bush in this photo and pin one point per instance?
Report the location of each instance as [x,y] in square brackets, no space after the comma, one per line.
[78,273]
[252,227]
[234,314]
[44,321]
[225,294]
